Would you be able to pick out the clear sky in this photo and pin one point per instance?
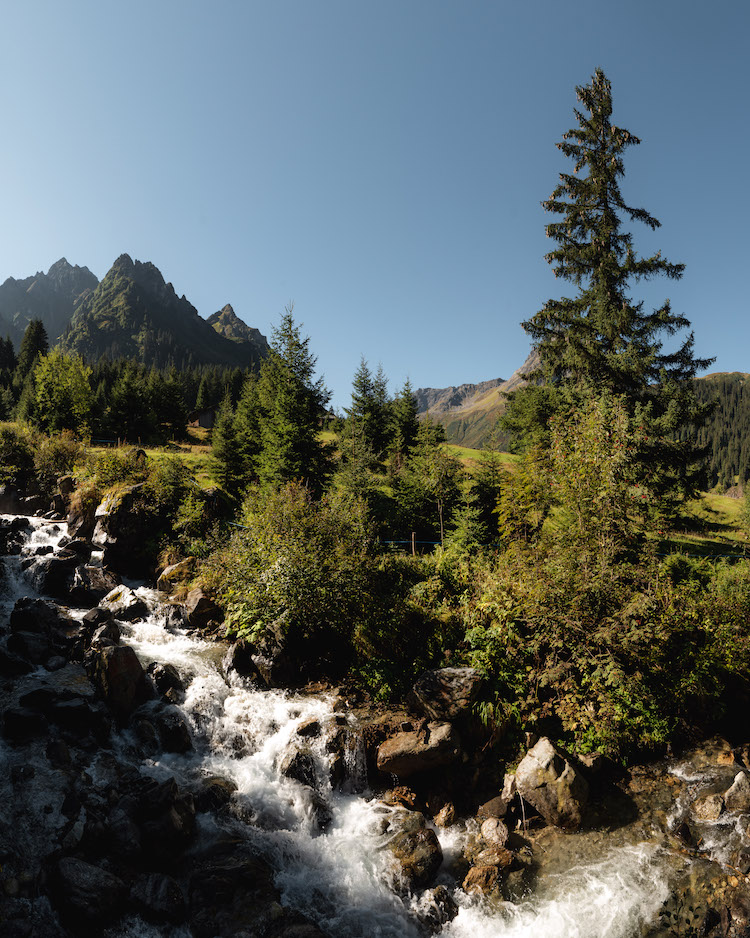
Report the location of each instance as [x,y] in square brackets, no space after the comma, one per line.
[381,164]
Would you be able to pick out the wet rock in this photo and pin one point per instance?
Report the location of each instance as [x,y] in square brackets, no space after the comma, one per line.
[166,680]
[708,807]
[495,855]
[239,658]
[125,605]
[293,925]
[228,888]
[123,533]
[310,729]
[53,574]
[86,895]
[495,832]
[91,584]
[159,898]
[13,665]
[39,616]
[436,908]
[495,807]
[173,731]
[408,753]
[551,784]
[274,660]
[298,763]
[119,677]
[446,694]
[21,724]
[403,797]
[737,797]
[415,848]
[482,880]
[201,610]
[446,816]
[66,485]
[107,634]
[214,793]
[30,646]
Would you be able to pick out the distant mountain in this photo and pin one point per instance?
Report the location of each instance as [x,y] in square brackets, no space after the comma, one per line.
[134,314]
[51,297]
[227,323]
[469,412]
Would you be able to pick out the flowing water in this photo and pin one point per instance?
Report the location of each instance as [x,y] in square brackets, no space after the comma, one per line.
[334,866]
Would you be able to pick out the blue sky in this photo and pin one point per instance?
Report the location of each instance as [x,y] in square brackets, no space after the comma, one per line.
[379,164]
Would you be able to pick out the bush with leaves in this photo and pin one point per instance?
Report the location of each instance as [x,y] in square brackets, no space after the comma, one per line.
[16,455]
[312,568]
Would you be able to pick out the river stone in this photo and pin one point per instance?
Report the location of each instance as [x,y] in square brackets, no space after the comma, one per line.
[87,895]
[416,850]
[298,763]
[481,879]
[159,898]
[495,807]
[91,584]
[494,831]
[201,609]
[430,747]
[737,797]
[117,672]
[446,816]
[707,808]
[446,694]
[124,604]
[495,855]
[551,784]
[38,615]
[436,908]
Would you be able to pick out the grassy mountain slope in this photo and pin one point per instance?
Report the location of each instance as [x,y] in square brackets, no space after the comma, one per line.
[469,412]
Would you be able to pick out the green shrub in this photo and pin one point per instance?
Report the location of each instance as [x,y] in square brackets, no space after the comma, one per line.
[16,455]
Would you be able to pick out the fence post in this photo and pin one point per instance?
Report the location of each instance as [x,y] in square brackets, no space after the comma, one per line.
[414,543]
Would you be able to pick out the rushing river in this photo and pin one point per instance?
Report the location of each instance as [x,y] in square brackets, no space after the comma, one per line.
[339,873]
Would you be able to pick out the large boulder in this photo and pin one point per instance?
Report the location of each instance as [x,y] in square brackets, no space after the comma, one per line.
[117,673]
[446,694]
[201,610]
[91,584]
[124,604]
[86,895]
[429,747]
[176,573]
[125,532]
[548,781]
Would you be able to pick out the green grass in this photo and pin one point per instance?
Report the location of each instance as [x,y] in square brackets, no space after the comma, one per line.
[470,457]
[711,525]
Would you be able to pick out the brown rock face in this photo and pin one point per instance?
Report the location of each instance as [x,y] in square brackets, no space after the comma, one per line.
[407,753]
[548,781]
[201,609]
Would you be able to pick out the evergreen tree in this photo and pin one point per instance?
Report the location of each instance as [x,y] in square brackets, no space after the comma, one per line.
[601,339]
[33,344]
[223,448]
[247,432]
[291,403]
[404,424]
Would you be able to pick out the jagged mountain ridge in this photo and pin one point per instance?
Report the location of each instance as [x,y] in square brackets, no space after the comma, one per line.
[227,323]
[469,412]
[133,313]
[51,297]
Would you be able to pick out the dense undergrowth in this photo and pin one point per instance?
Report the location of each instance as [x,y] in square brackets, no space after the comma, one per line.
[582,631]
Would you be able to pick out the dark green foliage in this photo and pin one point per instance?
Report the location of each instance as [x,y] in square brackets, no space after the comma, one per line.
[134,314]
[428,487]
[725,432]
[291,403]
[63,394]
[33,345]
[601,339]
[404,424]
[311,568]
[368,417]
[16,456]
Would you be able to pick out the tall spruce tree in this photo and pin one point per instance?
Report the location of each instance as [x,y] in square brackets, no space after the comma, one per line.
[291,402]
[602,339]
